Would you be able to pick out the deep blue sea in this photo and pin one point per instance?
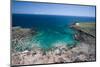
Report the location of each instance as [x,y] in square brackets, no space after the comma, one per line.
[52,30]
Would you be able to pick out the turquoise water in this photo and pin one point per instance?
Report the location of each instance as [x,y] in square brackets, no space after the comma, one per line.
[51,30]
[49,38]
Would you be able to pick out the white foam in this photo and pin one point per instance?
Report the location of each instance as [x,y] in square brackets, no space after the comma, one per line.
[59,43]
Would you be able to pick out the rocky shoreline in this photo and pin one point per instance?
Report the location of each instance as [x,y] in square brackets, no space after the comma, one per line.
[58,54]
[20,38]
[82,51]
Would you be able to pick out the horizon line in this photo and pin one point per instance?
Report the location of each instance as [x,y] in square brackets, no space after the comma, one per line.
[54,15]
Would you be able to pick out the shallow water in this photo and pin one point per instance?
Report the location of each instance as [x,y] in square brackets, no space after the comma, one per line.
[52,30]
[50,37]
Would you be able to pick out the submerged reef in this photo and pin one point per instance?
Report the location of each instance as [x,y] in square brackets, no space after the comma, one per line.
[84,50]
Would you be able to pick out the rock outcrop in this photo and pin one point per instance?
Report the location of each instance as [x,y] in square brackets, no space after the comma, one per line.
[86,33]
[21,38]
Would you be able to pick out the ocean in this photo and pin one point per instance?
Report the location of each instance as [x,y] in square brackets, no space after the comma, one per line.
[52,29]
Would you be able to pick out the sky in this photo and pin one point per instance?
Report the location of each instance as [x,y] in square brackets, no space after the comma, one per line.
[19,7]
